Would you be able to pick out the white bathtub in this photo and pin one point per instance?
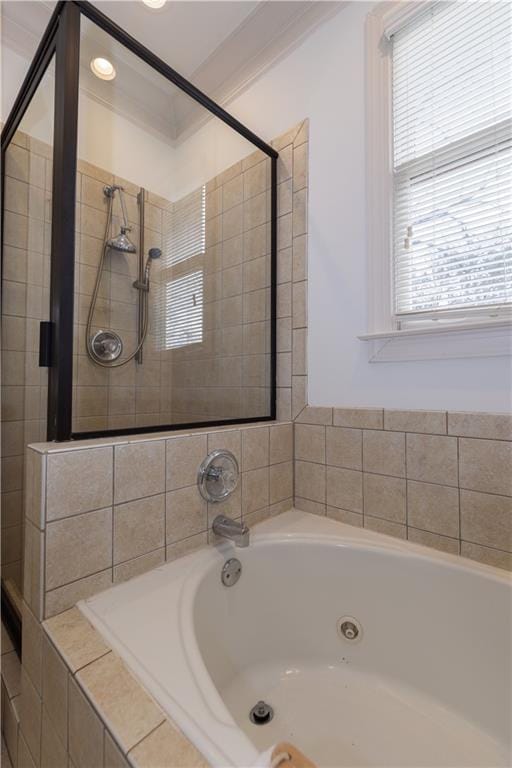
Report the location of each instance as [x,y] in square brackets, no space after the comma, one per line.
[427,684]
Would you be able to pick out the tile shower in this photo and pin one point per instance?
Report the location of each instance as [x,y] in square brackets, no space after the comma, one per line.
[225,375]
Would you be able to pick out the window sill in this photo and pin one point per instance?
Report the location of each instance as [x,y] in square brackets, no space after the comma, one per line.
[449,341]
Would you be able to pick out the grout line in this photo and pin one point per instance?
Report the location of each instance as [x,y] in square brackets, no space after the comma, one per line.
[406,490]
[113,515]
[458,495]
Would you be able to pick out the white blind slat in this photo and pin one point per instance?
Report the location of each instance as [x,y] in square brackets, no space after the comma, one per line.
[452,159]
[180,320]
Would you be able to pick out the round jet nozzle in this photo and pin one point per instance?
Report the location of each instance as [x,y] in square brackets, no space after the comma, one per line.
[154,253]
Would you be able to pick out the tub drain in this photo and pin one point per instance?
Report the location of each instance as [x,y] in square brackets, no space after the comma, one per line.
[261,714]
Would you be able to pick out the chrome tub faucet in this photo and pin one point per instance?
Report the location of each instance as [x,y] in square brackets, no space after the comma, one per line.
[231,529]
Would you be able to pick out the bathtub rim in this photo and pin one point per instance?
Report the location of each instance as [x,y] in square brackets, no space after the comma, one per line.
[306,527]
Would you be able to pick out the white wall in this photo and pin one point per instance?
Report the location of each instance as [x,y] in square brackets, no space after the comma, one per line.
[323,79]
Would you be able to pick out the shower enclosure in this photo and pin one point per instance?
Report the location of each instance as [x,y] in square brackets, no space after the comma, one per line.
[138,254]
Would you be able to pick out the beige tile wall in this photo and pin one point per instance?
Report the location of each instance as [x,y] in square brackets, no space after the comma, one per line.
[436,478]
[25,301]
[102,514]
[227,376]
[130,395]
[293,148]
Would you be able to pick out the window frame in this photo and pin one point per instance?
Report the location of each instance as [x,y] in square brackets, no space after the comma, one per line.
[436,338]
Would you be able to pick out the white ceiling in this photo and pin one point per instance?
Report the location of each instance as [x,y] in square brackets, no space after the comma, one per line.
[221,46]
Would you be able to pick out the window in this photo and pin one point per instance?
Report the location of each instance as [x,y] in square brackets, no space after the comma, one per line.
[181,295]
[185,228]
[452,160]
[184,315]
[439,179]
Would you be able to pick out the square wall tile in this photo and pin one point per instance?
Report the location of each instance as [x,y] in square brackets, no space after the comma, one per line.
[433,508]
[186,514]
[281,482]
[486,519]
[344,489]
[385,497]
[255,490]
[77,547]
[310,443]
[432,459]
[139,470]
[227,440]
[55,689]
[85,730]
[310,481]
[53,752]
[139,527]
[281,443]
[344,447]
[78,481]
[184,457]
[384,453]
[255,448]
[30,716]
[485,465]
[32,647]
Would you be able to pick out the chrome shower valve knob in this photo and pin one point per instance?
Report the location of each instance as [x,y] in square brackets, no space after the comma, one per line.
[217,477]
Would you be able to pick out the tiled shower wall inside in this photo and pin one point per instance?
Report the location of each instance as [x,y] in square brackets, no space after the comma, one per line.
[25,302]
[436,478]
[226,374]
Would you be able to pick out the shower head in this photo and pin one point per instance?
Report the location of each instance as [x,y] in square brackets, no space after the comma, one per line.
[154,253]
[122,243]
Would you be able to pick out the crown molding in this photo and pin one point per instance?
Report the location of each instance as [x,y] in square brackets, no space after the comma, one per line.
[224,78]
[267,35]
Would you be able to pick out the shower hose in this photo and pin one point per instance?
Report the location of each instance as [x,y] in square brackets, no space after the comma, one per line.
[144,298]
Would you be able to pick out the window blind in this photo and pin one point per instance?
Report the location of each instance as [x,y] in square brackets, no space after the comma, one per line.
[185,228]
[183,322]
[180,299]
[452,161]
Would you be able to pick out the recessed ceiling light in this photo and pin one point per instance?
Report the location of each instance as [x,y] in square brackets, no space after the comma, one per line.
[154,3]
[103,68]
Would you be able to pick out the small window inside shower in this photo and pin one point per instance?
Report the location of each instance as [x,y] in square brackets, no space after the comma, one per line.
[181,296]
[184,311]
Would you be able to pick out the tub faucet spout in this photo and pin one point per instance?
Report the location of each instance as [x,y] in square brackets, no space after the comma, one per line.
[230,529]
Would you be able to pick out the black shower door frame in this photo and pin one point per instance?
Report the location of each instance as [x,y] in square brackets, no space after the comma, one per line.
[62,39]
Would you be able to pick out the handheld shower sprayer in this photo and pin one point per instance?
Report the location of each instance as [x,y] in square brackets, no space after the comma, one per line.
[153,254]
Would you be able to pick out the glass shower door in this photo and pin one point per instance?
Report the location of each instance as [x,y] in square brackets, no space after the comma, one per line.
[25,303]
